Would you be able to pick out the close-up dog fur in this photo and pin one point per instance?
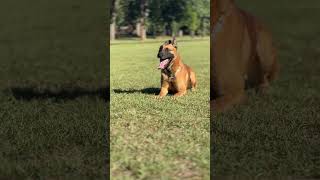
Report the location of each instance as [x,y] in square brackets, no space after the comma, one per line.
[176,77]
[242,55]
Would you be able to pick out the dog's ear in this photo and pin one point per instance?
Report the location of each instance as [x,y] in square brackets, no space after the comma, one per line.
[167,42]
[224,6]
[174,42]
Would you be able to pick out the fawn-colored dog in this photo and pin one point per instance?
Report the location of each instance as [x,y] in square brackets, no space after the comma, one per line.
[242,56]
[176,76]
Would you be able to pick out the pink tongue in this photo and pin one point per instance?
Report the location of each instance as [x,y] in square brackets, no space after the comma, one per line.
[163,64]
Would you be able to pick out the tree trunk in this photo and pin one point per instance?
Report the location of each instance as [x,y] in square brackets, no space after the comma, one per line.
[112,31]
[143,32]
[144,15]
[138,31]
[192,33]
[180,33]
[173,33]
[113,27]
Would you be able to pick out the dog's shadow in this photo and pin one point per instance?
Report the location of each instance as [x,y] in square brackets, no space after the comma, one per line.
[150,91]
[33,93]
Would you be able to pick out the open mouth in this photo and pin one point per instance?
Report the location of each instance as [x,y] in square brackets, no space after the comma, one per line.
[163,64]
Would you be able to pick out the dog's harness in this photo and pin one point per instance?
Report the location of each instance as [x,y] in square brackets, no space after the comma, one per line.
[168,71]
[218,26]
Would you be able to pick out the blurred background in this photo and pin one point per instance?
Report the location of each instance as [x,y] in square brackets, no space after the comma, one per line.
[277,135]
[157,18]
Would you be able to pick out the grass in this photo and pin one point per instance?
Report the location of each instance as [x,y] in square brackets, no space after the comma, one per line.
[158,139]
[52,90]
[277,135]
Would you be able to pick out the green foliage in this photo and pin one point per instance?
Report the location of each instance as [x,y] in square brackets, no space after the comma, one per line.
[193,20]
[164,15]
[174,27]
[130,12]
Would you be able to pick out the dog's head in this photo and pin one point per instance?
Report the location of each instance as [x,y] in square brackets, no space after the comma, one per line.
[167,53]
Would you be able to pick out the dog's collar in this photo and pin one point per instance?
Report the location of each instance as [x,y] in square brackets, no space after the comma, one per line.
[171,64]
[168,71]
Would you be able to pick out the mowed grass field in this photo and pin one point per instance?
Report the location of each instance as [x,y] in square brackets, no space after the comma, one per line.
[158,139]
[279,134]
[53,108]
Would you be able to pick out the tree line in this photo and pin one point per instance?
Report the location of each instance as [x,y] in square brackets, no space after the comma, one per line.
[143,18]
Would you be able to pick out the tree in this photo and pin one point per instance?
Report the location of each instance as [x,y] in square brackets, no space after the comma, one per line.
[142,17]
[203,11]
[113,16]
[173,12]
[174,28]
[196,16]
[155,17]
[144,11]
[193,22]
[135,13]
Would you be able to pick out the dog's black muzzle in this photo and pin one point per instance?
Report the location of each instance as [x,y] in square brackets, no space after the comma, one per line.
[163,55]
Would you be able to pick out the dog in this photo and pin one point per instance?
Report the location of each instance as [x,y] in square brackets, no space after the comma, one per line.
[176,77]
[242,55]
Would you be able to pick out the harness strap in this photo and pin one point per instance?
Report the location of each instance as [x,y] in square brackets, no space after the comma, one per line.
[170,73]
[218,26]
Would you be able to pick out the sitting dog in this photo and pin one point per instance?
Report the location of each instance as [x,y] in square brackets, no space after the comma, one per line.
[176,76]
[242,56]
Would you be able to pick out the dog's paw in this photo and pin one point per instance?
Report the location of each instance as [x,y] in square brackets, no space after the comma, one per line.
[216,106]
[262,90]
[158,97]
[174,97]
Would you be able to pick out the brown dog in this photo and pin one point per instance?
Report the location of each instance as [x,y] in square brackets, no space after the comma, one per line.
[242,55]
[176,77]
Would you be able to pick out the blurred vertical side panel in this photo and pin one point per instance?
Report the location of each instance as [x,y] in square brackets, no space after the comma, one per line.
[54,89]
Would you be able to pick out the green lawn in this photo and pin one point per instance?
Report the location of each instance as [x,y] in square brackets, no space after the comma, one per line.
[53,90]
[278,135]
[158,139]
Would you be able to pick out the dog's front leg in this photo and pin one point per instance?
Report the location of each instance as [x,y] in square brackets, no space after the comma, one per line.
[182,90]
[164,90]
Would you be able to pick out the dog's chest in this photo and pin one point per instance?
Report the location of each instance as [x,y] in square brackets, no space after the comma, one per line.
[167,75]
